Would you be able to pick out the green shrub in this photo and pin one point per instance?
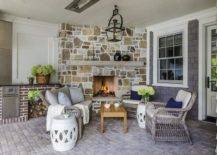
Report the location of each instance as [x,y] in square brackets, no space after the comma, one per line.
[33,95]
[43,69]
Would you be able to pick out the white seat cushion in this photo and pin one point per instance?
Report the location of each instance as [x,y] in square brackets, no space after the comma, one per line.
[150,110]
[137,87]
[184,97]
[131,101]
[87,103]
[161,117]
[164,118]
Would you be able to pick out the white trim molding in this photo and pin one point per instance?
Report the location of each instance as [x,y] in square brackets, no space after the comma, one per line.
[203,24]
[169,30]
[148,59]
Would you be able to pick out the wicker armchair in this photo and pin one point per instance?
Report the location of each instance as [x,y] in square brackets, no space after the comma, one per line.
[168,124]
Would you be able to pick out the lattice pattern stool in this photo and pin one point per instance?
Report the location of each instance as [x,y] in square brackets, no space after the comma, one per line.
[141,115]
[64,133]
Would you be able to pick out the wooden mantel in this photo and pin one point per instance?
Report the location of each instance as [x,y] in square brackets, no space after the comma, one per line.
[108,63]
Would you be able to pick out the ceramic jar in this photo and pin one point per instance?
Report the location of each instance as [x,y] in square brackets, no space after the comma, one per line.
[126,57]
[117,56]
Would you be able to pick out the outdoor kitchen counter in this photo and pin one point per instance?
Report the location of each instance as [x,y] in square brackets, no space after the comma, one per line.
[34,85]
[21,102]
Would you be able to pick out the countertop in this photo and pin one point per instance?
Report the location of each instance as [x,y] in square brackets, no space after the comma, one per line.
[23,84]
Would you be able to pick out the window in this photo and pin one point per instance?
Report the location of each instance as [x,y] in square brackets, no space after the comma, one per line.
[170,59]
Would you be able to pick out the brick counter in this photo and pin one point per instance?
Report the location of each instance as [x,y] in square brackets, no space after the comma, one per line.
[23,108]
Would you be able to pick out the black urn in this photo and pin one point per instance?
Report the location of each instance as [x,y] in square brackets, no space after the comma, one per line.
[126,57]
[117,56]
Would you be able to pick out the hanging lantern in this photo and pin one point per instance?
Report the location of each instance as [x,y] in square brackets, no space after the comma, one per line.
[115,29]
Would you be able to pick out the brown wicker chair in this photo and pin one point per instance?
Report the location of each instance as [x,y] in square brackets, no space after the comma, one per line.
[168,124]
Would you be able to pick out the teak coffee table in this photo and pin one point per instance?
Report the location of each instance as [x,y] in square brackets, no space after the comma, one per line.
[113,112]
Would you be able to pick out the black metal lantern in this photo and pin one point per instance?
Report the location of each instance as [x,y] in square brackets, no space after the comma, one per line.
[115,29]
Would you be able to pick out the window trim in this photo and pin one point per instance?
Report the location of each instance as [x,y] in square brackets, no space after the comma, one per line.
[165,32]
[166,58]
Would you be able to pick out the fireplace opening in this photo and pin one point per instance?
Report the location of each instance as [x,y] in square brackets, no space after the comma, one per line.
[104,86]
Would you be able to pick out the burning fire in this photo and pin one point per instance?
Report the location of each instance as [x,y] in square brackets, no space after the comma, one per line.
[104,91]
[104,88]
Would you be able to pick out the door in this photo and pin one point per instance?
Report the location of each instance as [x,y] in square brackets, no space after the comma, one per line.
[212,71]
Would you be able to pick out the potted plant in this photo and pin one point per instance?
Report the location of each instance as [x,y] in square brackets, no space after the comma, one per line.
[31,79]
[42,73]
[146,92]
[36,107]
[33,96]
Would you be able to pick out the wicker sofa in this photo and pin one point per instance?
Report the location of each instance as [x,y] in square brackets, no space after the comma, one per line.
[72,109]
[168,124]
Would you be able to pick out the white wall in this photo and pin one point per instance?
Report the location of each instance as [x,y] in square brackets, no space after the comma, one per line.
[33,43]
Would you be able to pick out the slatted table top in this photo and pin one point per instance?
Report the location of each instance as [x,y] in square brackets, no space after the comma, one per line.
[112,111]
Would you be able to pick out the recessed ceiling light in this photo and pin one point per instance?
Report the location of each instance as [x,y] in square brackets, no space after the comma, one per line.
[80,5]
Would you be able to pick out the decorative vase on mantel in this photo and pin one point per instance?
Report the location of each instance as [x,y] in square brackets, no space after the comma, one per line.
[126,57]
[117,56]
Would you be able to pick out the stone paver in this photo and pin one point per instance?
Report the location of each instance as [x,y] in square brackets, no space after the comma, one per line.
[30,138]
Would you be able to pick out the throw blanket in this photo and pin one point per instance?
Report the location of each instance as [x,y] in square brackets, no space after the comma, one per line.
[85,112]
[53,110]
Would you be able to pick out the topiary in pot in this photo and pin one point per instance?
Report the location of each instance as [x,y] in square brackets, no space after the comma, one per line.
[42,73]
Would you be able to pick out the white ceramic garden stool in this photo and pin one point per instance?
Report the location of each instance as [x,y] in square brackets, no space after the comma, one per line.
[141,115]
[64,132]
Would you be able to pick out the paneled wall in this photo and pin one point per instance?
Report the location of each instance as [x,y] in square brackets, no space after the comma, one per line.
[33,43]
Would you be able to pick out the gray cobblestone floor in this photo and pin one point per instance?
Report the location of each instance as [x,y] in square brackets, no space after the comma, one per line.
[30,138]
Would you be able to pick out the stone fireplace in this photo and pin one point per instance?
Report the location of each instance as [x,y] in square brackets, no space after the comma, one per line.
[104,86]
[85,56]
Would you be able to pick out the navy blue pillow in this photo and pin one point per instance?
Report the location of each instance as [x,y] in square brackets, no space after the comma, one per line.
[173,104]
[135,96]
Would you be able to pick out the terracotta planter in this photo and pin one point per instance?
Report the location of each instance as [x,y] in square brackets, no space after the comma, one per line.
[42,79]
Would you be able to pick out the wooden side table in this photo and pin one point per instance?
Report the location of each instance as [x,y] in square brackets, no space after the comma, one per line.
[113,112]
